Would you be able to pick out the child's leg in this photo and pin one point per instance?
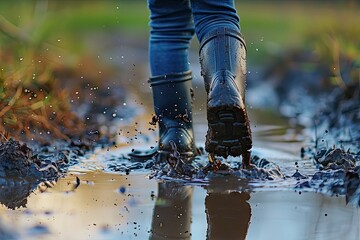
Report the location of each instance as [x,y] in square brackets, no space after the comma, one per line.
[171,32]
[223,66]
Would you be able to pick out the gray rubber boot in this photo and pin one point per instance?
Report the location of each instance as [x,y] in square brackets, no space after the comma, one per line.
[223,66]
[173,109]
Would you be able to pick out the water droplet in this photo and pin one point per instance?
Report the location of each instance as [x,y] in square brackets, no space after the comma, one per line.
[257,49]
[122,190]
[124,104]
[21,59]
[59,40]
[114,114]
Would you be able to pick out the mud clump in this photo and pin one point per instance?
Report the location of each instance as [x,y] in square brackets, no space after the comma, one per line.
[339,169]
[338,175]
[21,172]
[336,159]
[18,161]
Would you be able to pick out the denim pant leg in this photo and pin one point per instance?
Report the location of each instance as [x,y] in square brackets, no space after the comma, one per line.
[172,29]
[213,14]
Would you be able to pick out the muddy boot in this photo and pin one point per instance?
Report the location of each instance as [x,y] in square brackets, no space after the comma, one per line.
[223,66]
[172,104]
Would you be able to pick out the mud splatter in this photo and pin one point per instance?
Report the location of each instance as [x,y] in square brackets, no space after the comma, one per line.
[338,175]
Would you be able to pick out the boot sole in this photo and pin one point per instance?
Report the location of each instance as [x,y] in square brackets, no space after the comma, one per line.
[229,132]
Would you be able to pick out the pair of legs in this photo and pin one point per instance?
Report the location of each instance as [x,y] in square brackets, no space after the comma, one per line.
[222,57]
[173,23]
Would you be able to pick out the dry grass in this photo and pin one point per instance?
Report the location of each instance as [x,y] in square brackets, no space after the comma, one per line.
[32,105]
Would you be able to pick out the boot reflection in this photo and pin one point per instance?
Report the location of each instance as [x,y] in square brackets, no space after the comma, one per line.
[228,215]
[172,212]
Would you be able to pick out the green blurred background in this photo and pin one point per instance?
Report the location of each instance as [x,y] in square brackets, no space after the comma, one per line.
[44,40]
[267,25]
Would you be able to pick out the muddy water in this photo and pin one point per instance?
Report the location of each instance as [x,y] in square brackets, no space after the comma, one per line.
[113,206]
[108,205]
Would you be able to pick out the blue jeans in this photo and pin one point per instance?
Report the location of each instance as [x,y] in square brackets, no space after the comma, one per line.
[173,23]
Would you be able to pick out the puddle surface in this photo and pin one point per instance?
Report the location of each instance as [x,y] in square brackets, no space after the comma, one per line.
[108,205]
[114,206]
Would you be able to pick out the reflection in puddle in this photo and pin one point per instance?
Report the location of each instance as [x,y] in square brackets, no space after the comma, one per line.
[228,215]
[112,206]
[172,212]
[119,206]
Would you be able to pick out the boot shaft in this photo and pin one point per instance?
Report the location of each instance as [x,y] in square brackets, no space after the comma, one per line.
[173,100]
[223,52]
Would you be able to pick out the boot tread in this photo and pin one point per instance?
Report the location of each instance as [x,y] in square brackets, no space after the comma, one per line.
[229,132]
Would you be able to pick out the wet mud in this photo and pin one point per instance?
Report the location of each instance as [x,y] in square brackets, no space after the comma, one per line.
[19,161]
[24,170]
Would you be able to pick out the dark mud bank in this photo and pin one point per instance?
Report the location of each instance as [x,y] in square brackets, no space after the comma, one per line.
[23,169]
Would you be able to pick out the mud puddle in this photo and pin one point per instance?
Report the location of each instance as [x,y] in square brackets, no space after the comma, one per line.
[114,206]
[96,201]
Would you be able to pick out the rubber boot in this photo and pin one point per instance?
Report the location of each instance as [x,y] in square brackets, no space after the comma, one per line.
[223,66]
[173,109]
